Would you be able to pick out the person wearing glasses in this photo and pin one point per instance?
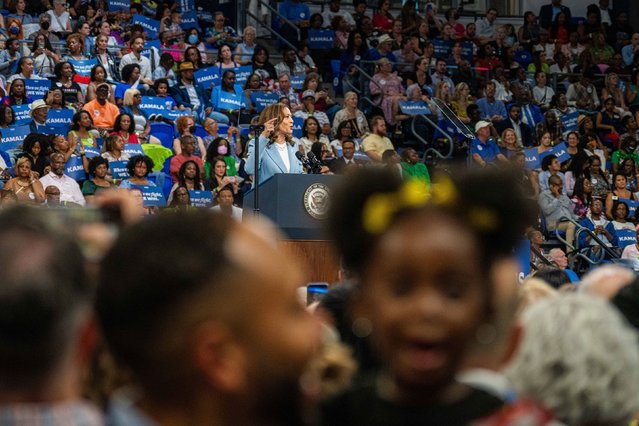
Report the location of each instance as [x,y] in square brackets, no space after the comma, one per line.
[221,34]
[132,101]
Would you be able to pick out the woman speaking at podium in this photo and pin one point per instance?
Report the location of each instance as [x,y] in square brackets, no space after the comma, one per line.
[276,146]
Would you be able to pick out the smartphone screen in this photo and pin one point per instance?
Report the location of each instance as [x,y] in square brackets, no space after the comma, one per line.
[315,291]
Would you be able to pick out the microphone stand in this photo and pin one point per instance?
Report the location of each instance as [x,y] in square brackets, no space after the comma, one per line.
[257,130]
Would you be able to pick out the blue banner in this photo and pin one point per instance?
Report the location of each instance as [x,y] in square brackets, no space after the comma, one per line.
[21,113]
[75,169]
[83,67]
[206,76]
[37,88]
[532,158]
[91,152]
[442,48]
[114,5]
[632,206]
[223,100]
[187,5]
[570,121]
[119,170]
[468,50]
[262,99]
[14,134]
[560,151]
[522,251]
[189,20]
[62,130]
[152,196]
[414,107]
[625,237]
[243,73]
[60,117]
[321,39]
[298,123]
[146,52]
[151,26]
[201,198]
[133,149]
[153,104]
[175,113]
[297,81]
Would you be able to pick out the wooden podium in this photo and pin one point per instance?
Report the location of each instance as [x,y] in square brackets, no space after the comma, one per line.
[297,204]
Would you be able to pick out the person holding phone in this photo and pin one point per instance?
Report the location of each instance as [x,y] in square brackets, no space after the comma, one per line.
[276,146]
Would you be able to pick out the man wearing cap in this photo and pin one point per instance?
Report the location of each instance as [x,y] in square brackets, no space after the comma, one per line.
[308,110]
[383,50]
[39,111]
[135,57]
[101,110]
[485,150]
[188,93]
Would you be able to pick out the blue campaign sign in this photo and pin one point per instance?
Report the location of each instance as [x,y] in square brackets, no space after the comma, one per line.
[298,122]
[414,107]
[15,134]
[119,170]
[223,100]
[468,50]
[153,105]
[522,251]
[206,76]
[91,152]
[152,196]
[21,113]
[175,113]
[532,158]
[297,81]
[60,117]
[37,88]
[570,121]
[625,237]
[320,39]
[632,206]
[62,130]
[119,5]
[262,99]
[187,6]
[243,73]
[189,20]
[75,169]
[133,149]
[146,52]
[442,48]
[151,26]
[201,198]
[83,67]
[560,151]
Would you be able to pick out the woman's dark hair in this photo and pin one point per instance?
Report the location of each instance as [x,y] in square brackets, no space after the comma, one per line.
[219,52]
[3,111]
[199,63]
[554,277]
[578,191]
[12,96]
[63,102]
[554,27]
[546,161]
[247,85]
[259,49]
[495,191]
[94,70]
[159,81]
[57,70]
[127,71]
[167,59]
[136,159]
[109,141]
[174,200]
[316,149]
[615,206]
[75,121]
[32,139]
[350,44]
[182,177]
[211,151]
[34,45]
[217,157]
[344,124]
[118,122]
[94,162]
[304,132]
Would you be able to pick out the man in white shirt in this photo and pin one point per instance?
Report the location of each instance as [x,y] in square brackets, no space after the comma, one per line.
[135,57]
[60,18]
[485,28]
[69,188]
[225,204]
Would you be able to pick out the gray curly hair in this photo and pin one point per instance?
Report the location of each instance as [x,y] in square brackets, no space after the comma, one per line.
[579,359]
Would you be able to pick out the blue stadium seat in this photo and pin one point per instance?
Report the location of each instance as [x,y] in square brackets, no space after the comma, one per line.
[164,132]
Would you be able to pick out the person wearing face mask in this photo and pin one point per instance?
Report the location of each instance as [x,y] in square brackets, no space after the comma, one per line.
[45,25]
[185,125]
[220,147]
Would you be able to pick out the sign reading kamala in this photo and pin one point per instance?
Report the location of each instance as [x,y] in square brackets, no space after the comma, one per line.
[533,158]
[152,26]
[91,152]
[625,237]
[189,20]
[119,170]
[75,169]
[298,122]
[59,117]
[133,149]
[151,196]
[262,99]
[119,5]
[632,206]
[201,198]
[21,113]
[15,134]
[206,76]
[320,39]
[414,107]
[297,81]
[146,52]
[83,67]
[37,88]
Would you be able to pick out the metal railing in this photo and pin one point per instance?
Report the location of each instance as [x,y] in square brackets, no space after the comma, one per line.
[280,16]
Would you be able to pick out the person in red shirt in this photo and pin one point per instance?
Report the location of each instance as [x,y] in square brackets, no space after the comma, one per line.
[187,144]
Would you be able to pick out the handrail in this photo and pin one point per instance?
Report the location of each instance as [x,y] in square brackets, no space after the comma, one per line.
[370,78]
[594,236]
[271,30]
[272,9]
[425,142]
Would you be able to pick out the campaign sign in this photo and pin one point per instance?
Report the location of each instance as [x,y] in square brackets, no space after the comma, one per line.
[632,206]
[570,121]
[175,113]
[223,100]
[625,237]
[119,170]
[15,134]
[201,198]
[262,99]
[442,48]
[532,158]
[297,81]
[298,122]
[320,39]
[206,76]
[414,107]
[153,105]
[560,151]
[133,149]
[60,117]
[62,130]
[151,195]
[187,6]
[146,52]
[75,169]
[152,26]
[468,50]
[21,113]
[114,5]
[522,251]
[242,73]
[189,20]
[91,152]
[83,67]
[37,88]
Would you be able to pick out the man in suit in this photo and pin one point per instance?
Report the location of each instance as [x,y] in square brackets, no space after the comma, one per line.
[513,121]
[39,113]
[188,93]
[548,12]
[347,160]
